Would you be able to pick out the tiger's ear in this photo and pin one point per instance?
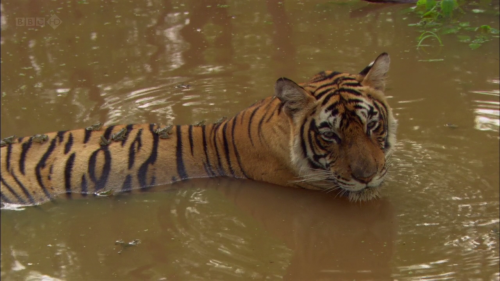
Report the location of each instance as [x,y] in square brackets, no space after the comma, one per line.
[294,97]
[374,74]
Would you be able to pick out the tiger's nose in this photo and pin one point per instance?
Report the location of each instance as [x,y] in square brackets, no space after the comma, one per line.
[364,173]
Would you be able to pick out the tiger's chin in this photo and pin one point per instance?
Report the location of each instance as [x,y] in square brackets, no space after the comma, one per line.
[365,194]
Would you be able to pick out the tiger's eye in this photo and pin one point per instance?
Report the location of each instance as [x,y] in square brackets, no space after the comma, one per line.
[330,136]
[371,125]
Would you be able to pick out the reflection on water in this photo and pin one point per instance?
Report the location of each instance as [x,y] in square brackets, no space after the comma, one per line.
[227,229]
[488,111]
[180,62]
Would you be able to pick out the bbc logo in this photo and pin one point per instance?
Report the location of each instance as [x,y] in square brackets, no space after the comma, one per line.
[54,21]
[30,22]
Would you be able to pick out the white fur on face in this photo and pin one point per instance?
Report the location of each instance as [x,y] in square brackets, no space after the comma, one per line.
[357,190]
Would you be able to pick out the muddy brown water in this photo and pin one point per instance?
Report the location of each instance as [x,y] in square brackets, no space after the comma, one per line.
[130,62]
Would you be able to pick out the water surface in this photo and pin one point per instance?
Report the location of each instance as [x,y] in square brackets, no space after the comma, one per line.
[131,62]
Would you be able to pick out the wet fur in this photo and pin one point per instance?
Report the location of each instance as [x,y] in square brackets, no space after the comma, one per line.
[276,140]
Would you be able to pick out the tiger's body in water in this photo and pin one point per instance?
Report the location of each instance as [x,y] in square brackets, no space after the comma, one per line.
[332,133]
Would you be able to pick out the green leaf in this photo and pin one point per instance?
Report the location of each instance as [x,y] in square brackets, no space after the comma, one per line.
[480,39]
[464,24]
[474,46]
[470,28]
[464,38]
[428,34]
[447,7]
[494,31]
[421,3]
[430,15]
[451,30]
[485,29]
[430,4]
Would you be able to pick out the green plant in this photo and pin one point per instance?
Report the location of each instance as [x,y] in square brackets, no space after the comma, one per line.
[438,18]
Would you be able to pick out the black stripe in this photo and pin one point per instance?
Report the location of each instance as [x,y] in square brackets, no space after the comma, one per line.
[220,169]
[324,92]
[7,158]
[19,198]
[69,144]
[24,150]
[129,127]
[100,182]
[211,173]
[68,169]
[314,165]
[87,136]
[351,100]
[310,140]
[335,82]
[328,97]
[242,119]
[317,138]
[250,124]
[84,186]
[190,136]
[127,184]
[331,75]
[236,149]
[206,168]
[259,127]
[41,165]
[344,121]
[60,136]
[302,143]
[135,146]
[319,143]
[351,83]
[331,107]
[325,88]
[351,91]
[23,188]
[107,132]
[226,149]
[143,169]
[271,116]
[359,106]
[384,106]
[181,170]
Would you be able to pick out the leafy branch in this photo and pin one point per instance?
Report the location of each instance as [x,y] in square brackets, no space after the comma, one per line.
[443,18]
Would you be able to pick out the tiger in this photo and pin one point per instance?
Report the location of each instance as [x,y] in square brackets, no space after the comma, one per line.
[332,133]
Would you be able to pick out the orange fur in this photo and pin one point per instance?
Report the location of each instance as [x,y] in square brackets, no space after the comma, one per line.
[277,140]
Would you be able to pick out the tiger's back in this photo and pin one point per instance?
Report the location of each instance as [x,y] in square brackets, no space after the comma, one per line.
[330,133]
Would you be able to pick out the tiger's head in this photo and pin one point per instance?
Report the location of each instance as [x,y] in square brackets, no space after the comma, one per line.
[343,130]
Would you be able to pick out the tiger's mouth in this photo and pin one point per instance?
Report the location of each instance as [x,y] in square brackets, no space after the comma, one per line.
[356,191]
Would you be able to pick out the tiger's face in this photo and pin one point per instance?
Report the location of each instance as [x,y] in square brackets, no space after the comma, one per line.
[343,130]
